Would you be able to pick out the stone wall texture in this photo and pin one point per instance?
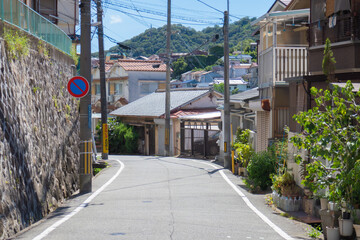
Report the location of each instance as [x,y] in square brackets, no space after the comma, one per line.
[39,135]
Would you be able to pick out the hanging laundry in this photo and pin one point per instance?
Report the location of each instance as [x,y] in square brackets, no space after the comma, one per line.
[332,21]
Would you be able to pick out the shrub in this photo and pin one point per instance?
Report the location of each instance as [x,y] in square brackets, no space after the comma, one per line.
[242,147]
[260,167]
[123,139]
[284,184]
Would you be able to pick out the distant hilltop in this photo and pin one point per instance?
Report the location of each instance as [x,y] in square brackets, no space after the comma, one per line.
[184,39]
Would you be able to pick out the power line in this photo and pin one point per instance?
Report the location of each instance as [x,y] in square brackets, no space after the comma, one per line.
[157,19]
[159,13]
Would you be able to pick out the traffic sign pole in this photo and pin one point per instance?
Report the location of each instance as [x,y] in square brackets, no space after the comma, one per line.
[85,101]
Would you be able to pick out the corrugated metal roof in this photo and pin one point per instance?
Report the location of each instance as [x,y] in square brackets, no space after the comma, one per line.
[153,105]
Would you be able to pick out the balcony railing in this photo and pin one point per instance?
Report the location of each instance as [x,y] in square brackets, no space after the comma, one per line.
[17,13]
[279,63]
[343,28]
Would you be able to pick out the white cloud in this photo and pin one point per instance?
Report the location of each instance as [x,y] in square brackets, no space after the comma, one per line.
[115,19]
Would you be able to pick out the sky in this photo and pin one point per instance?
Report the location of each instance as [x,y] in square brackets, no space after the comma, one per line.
[124,19]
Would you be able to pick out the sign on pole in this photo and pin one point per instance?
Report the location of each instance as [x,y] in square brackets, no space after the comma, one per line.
[78,87]
[105,138]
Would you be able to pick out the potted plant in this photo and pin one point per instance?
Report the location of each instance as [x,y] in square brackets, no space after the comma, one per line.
[323,197]
[243,150]
[356,224]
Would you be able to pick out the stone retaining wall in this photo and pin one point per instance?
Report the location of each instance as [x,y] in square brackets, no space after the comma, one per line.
[39,129]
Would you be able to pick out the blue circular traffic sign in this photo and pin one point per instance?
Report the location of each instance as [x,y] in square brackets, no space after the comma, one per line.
[78,86]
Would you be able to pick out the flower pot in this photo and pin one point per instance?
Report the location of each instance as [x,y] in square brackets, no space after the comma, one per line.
[345,227]
[332,206]
[332,233]
[357,230]
[323,203]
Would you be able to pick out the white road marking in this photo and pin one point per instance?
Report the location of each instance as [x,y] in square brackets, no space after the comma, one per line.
[249,204]
[82,206]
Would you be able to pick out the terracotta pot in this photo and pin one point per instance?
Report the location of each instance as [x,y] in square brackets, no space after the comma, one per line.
[346,227]
[332,233]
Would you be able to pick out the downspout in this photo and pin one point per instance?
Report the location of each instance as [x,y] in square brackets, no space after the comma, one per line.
[248,118]
[75,18]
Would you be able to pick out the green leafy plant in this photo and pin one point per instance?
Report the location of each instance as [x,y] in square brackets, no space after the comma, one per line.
[43,50]
[96,170]
[74,55]
[16,44]
[284,184]
[332,133]
[123,139]
[242,147]
[314,232]
[261,166]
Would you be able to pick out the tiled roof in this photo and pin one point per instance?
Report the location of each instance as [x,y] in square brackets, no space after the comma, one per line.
[141,65]
[153,105]
[108,66]
[252,93]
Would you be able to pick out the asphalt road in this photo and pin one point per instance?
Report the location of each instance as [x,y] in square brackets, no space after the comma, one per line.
[158,198]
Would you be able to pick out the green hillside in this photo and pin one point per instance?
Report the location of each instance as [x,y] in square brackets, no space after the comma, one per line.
[185,39]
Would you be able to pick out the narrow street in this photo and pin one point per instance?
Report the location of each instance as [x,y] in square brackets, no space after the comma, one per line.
[141,197]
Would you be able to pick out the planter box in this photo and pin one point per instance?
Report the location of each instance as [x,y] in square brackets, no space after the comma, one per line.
[287,204]
[329,219]
[309,206]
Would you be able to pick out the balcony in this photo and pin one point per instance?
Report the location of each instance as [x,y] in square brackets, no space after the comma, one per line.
[19,14]
[279,63]
[343,28]
[344,34]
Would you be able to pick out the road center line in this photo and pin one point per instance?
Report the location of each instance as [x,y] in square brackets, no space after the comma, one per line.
[82,206]
[249,204]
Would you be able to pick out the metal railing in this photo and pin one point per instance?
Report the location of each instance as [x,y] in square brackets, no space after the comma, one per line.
[341,28]
[279,63]
[17,13]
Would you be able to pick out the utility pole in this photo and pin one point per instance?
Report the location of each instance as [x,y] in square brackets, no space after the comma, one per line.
[85,102]
[226,123]
[103,97]
[167,93]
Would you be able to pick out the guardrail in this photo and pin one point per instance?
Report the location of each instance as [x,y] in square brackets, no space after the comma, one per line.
[17,13]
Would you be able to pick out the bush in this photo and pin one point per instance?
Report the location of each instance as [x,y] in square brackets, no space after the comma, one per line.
[242,147]
[123,139]
[261,166]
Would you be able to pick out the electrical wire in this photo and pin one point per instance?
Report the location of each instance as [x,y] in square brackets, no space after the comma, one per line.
[158,13]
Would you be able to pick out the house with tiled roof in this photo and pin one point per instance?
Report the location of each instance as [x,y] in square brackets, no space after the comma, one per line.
[147,114]
[116,87]
[126,81]
[144,76]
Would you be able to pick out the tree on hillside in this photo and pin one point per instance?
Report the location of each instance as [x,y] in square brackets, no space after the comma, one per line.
[179,67]
[217,50]
[152,41]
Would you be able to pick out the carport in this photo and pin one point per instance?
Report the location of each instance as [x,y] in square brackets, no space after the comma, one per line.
[199,134]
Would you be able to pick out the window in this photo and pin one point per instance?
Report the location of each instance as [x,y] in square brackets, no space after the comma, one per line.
[97,89]
[118,89]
